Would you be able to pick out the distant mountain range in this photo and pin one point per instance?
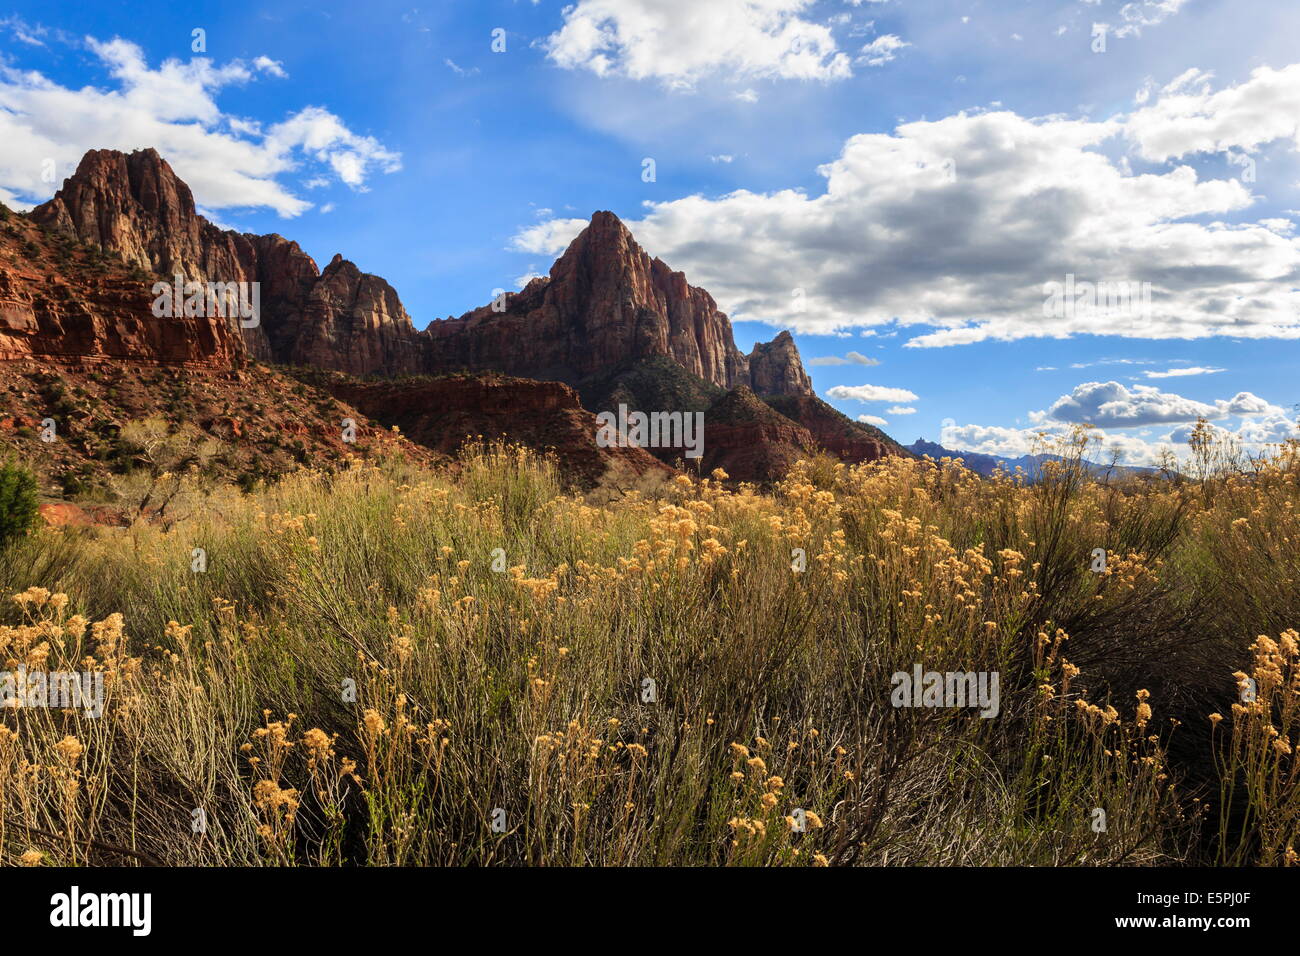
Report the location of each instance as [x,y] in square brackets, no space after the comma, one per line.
[1032,464]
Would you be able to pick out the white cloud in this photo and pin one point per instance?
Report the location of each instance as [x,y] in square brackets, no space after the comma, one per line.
[457,69]
[321,134]
[881,50]
[529,275]
[957,223]
[991,439]
[228,161]
[900,410]
[1181,372]
[721,158]
[1146,13]
[1113,405]
[852,358]
[873,420]
[1015,442]
[871,393]
[550,237]
[274,67]
[24,32]
[679,42]
[1252,434]
[1112,361]
[1189,118]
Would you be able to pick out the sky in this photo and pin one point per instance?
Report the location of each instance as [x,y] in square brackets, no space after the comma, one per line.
[985,221]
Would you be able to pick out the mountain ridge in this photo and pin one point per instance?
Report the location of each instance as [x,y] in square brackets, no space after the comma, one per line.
[609,324]
[605,300]
[986,464]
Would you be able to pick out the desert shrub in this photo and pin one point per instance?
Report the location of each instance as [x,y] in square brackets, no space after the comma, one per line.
[377,659]
[18,502]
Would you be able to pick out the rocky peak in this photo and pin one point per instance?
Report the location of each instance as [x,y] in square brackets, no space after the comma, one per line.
[606,302]
[133,205]
[136,207]
[776,369]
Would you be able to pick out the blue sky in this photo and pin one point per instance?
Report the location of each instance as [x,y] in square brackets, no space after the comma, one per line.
[895,180]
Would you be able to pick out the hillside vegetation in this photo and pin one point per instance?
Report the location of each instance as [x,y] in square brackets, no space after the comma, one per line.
[392,664]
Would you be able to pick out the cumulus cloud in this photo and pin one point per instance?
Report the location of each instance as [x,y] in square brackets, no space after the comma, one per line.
[1015,442]
[1254,435]
[229,161]
[871,393]
[1190,118]
[852,358]
[678,42]
[274,67]
[900,410]
[872,420]
[958,223]
[550,237]
[319,133]
[529,275]
[1119,418]
[1113,405]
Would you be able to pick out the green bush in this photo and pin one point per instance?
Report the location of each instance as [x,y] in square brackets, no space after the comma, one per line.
[17,502]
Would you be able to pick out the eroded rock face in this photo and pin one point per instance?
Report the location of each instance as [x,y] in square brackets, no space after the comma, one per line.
[776,369]
[443,414]
[354,322]
[56,304]
[849,441]
[606,301]
[136,207]
[750,441]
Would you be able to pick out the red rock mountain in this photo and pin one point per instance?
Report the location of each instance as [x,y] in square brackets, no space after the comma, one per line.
[609,320]
[441,414]
[59,301]
[135,207]
[605,301]
[81,347]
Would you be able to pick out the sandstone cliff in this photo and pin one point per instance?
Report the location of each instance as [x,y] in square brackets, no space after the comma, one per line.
[606,302]
[59,300]
[136,207]
[442,414]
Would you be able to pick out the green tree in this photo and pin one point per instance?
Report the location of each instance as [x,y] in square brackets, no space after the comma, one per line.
[18,502]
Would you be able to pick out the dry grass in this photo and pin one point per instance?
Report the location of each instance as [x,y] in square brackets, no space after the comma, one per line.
[377,660]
